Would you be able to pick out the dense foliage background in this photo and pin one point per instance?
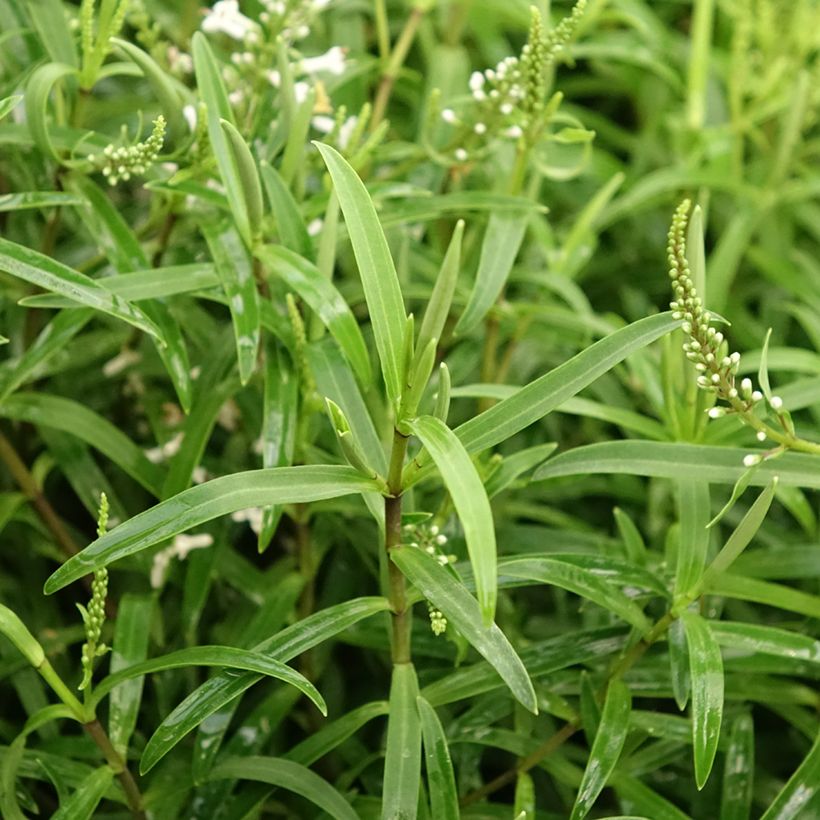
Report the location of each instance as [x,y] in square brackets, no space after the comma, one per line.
[185,277]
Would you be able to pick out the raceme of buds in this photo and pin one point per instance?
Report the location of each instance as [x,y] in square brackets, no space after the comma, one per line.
[125,161]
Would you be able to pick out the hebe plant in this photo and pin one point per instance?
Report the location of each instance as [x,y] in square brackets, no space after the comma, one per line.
[357,591]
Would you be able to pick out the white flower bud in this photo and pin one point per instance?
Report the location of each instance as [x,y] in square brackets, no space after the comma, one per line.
[776,403]
[751,459]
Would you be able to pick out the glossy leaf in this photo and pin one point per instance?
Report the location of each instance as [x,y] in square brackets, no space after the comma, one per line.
[706,670]
[234,267]
[38,90]
[130,647]
[458,606]
[402,762]
[606,749]
[205,502]
[285,774]
[717,465]
[502,239]
[248,175]
[584,582]
[83,803]
[441,783]
[471,503]
[800,790]
[319,293]
[224,687]
[49,274]
[287,219]
[376,268]
[738,771]
[76,419]
[693,515]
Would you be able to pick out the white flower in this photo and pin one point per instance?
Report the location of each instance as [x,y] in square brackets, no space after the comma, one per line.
[751,459]
[236,97]
[253,516]
[274,78]
[480,128]
[757,395]
[323,123]
[346,131]
[776,402]
[189,112]
[225,18]
[761,436]
[301,91]
[476,81]
[716,412]
[331,62]
[181,546]
[461,155]
[746,385]
[168,450]
[314,227]
[514,132]
[449,116]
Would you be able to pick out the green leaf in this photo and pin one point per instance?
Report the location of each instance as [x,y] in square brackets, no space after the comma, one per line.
[738,771]
[471,502]
[376,268]
[458,606]
[441,782]
[524,806]
[285,774]
[706,671]
[438,306]
[8,104]
[639,799]
[16,631]
[226,656]
[606,749]
[161,84]
[693,515]
[763,369]
[49,274]
[584,582]
[205,502]
[279,421]
[717,465]
[235,270]
[248,177]
[764,592]
[741,639]
[402,762]
[502,239]
[224,687]
[114,234]
[514,466]
[679,664]
[289,223]
[800,790]
[212,90]
[76,419]
[81,804]
[37,199]
[631,537]
[38,90]
[320,294]
[130,647]
[548,392]
[319,743]
[49,20]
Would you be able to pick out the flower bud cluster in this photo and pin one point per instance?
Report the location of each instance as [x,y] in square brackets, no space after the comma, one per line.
[438,623]
[122,162]
[706,347]
[508,101]
[430,539]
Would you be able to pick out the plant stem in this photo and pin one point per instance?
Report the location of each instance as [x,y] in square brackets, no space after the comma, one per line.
[132,793]
[25,480]
[397,58]
[397,589]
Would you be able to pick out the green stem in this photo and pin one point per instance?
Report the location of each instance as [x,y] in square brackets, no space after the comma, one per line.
[397,58]
[401,621]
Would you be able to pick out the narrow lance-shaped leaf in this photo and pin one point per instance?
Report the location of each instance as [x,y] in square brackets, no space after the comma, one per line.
[438,307]
[717,465]
[289,223]
[458,606]
[130,646]
[693,514]
[441,782]
[738,771]
[248,177]
[49,274]
[706,670]
[322,297]
[212,90]
[402,762]
[505,232]
[285,774]
[205,502]
[376,268]
[800,790]
[471,503]
[235,269]
[606,749]
[83,803]
[224,687]
[537,399]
